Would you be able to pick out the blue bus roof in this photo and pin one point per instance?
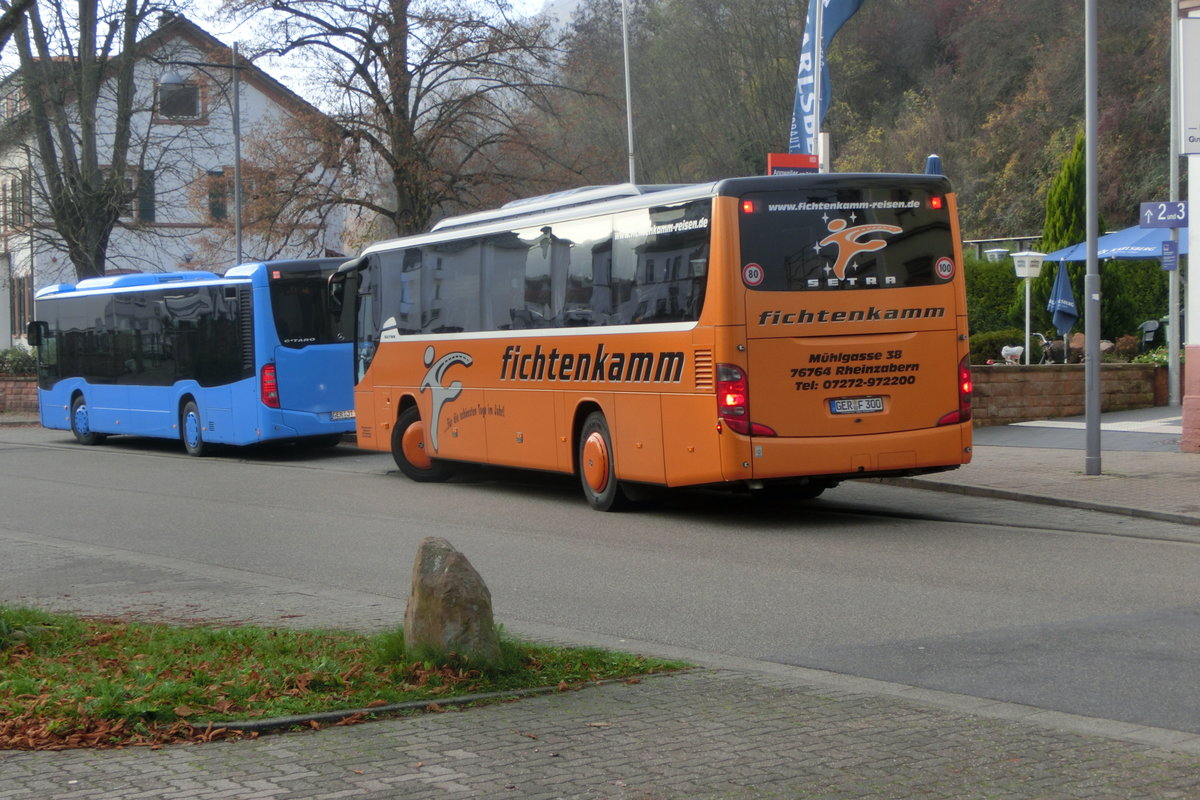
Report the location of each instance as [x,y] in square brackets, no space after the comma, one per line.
[126,281]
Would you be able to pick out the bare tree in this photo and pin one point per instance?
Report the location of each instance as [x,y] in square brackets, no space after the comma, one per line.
[290,188]
[431,94]
[11,19]
[64,78]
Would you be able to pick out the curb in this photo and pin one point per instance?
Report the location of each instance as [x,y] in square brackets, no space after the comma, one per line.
[1027,497]
[334,717]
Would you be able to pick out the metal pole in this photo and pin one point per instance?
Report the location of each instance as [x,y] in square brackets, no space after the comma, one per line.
[1027,320]
[1091,282]
[818,76]
[628,93]
[1173,378]
[237,158]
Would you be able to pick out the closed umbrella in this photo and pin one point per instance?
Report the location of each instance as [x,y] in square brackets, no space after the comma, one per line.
[1062,305]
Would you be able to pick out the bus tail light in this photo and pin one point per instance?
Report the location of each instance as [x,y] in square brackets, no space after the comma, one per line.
[733,403]
[269,386]
[965,390]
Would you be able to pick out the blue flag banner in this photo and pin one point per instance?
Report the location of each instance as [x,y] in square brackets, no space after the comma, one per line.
[805,119]
[1062,301]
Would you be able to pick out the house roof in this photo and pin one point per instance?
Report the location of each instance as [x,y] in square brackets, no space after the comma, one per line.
[173,26]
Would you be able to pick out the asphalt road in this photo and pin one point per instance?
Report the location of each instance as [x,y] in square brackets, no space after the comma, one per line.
[1050,607]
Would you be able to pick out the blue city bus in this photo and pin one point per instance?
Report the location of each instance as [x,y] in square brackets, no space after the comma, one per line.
[253,356]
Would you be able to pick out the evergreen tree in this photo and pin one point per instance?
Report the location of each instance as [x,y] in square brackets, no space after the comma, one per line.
[1065,225]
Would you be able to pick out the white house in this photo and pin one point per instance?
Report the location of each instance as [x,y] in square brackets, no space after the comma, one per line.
[183,209]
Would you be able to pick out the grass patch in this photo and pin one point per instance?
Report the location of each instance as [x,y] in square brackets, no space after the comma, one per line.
[71,682]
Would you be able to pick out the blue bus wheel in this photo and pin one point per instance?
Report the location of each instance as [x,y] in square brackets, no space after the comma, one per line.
[81,424]
[191,430]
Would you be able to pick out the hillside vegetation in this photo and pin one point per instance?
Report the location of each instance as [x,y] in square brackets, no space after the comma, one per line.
[995,88]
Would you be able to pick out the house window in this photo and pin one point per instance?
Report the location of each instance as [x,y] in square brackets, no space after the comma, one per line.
[21,302]
[145,195]
[124,200]
[218,195]
[179,100]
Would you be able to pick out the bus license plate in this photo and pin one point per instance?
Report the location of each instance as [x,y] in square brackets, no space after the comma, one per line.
[342,414]
[856,405]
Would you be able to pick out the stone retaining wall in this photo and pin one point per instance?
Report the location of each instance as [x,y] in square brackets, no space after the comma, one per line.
[18,394]
[1005,394]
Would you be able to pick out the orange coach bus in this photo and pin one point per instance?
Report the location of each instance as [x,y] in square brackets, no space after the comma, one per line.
[766,333]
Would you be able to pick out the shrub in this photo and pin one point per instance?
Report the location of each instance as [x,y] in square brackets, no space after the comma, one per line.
[1158,356]
[17,361]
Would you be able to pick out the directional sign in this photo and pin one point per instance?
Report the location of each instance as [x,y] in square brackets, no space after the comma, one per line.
[1163,214]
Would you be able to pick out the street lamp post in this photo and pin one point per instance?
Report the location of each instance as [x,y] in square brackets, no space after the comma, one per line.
[1028,266]
[174,79]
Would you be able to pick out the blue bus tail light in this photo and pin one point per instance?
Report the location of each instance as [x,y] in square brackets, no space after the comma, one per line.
[269,386]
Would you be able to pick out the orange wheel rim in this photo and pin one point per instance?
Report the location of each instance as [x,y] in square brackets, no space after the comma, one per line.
[595,462]
[413,446]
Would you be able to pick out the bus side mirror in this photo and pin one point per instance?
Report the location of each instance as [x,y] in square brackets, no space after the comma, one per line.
[37,332]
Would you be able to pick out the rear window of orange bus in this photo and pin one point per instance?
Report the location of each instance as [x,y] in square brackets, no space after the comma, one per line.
[845,238]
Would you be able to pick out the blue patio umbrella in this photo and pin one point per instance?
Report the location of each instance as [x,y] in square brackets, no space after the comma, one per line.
[1062,302]
[1062,306]
[1130,244]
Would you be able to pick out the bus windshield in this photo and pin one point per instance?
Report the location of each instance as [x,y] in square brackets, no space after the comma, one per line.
[845,238]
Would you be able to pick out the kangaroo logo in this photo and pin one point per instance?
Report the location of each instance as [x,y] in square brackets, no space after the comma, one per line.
[439,393]
[849,244]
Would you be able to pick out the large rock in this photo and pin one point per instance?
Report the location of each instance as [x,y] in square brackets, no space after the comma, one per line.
[449,608]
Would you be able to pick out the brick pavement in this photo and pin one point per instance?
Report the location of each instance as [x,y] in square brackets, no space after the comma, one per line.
[708,733]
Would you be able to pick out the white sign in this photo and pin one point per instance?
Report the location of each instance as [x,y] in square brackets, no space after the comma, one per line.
[1189,86]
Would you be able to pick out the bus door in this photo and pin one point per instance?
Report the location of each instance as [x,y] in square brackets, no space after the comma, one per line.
[853,317]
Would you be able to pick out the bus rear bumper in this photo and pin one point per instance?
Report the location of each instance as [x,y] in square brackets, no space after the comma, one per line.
[301,424]
[873,455]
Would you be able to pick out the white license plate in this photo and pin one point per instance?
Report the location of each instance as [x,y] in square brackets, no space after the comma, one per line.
[856,405]
[342,414]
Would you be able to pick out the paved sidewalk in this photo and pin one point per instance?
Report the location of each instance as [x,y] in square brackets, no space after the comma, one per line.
[733,728]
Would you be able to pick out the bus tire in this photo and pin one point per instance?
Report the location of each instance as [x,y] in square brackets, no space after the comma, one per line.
[597,469]
[408,450]
[81,425]
[191,430]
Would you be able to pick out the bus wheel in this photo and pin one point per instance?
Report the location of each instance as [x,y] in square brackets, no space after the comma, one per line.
[81,426]
[597,472]
[191,430]
[408,449]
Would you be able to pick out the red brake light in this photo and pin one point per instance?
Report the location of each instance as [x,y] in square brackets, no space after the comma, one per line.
[935,203]
[747,206]
[965,391]
[269,386]
[733,402]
